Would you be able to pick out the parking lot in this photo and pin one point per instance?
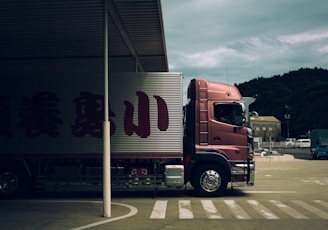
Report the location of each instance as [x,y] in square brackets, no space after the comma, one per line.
[300,185]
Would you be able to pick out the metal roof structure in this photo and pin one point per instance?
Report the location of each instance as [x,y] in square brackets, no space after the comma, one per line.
[74,29]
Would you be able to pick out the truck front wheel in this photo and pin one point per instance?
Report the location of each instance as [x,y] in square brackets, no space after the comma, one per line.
[13,183]
[210,180]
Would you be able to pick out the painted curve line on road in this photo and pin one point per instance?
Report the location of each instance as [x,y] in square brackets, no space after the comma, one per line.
[133,211]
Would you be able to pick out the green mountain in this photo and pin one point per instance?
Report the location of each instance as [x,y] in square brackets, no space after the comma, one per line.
[303,94]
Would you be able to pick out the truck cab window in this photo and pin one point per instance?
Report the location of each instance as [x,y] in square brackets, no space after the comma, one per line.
[229,113]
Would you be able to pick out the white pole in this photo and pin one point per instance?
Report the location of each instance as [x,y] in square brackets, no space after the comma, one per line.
[106,126]
[106,171]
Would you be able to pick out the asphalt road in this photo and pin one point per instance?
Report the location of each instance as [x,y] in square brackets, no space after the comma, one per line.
[287,195]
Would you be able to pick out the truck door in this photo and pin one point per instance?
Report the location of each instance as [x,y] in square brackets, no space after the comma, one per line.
[227,126]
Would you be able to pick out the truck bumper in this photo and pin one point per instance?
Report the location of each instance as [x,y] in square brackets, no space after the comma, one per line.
[243,174]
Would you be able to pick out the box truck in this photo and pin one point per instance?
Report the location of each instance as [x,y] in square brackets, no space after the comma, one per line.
[51,130]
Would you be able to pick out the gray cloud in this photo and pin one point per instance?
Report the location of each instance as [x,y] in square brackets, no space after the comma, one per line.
[236,41]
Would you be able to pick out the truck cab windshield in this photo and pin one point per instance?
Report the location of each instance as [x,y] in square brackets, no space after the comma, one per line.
[230,113]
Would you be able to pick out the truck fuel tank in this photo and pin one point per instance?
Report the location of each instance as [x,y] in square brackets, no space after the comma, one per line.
[174,175]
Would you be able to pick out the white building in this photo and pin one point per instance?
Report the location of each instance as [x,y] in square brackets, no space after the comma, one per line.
[265,127]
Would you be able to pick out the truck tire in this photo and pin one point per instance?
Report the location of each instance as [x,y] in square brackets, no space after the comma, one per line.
[210,180]
[14,182]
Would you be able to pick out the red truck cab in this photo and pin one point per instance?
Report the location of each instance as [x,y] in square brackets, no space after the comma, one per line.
[217,139]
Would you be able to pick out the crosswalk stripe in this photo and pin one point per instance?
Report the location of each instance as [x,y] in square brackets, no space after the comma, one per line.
[236,209]
[213,212]
[185,210]
[159,210]
[312,209]
[323,203]
[262,210]
[288,210]
[210,209]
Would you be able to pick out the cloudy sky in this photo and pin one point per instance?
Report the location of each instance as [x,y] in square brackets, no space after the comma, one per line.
[236,41]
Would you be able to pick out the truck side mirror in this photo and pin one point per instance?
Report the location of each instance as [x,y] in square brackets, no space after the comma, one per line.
[240,122]
[239,125]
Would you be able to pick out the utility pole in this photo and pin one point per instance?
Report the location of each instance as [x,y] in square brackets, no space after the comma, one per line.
[287,117]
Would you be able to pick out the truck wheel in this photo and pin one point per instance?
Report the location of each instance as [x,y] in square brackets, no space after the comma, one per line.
[210,180]
[13,183]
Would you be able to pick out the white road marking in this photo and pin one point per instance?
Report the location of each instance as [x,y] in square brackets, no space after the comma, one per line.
[185,210]
[236,209]
[323,203]
[133,211]
[262,210]
[159,210]
[312,209]
[288,210]
[269,192]
[314,181]
[210,209]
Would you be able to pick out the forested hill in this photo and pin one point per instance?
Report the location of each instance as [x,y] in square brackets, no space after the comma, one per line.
[304,91]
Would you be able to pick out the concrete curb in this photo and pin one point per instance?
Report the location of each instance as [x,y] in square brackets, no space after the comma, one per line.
[274,158]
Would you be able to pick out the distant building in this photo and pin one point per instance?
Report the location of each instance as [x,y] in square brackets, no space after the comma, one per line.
[265,127]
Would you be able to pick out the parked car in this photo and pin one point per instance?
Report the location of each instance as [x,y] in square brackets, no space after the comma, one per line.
[303,143]
[290,142]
